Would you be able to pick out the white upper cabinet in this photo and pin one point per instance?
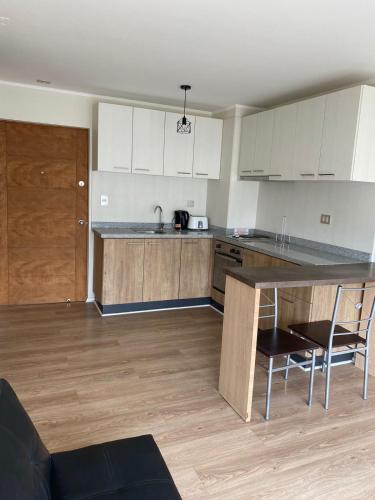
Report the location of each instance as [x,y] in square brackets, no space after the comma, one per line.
[330,137]
[283,142]
[339,134]
[178,148]
[364,155]
[263,143]
[207,147]
[308,138]
[247,145]
[148,141]
[115,135]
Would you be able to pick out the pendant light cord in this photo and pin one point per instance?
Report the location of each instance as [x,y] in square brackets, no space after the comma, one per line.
[185,104]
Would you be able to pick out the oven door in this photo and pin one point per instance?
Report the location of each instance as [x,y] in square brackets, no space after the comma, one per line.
[221,262]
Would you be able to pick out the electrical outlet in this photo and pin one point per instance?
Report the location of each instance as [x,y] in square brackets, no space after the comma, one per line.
[325,219]
[104,200]
[190,203]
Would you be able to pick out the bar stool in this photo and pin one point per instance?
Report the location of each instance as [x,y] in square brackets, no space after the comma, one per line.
[275,342]
[330,335]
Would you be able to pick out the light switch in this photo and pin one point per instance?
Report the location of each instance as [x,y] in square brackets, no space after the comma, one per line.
[190,203]
[103,200]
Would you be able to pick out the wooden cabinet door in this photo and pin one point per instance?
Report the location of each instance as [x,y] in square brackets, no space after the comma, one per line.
[339,134]
[122,271]
[263,143]
[178,148]
[161,269]
[148,141]
[283,142]
[247,145]
[195,274]
[115,137]
[256,259]
[292,311]
[310,116]
[207,147]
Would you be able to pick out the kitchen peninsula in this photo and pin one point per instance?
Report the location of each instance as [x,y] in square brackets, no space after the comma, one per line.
[244,287]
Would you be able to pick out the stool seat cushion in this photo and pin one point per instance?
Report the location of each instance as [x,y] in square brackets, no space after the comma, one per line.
[278,342]
[319,331]
[130,468]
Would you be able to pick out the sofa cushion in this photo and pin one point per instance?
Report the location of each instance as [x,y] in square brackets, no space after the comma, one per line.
[24,460]
[130,468]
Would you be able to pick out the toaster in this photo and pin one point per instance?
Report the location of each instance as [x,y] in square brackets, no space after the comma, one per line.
[198,222]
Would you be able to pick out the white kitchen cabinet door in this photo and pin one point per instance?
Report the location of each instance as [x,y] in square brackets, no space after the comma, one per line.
[247,145]
[148,141]
[308,139]
[283,142]
[339,134]
[263,143]
[115,137]
[364,159]
[178,148]
[207,147]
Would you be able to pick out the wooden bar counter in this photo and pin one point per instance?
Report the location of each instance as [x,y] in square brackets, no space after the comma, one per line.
[240,328]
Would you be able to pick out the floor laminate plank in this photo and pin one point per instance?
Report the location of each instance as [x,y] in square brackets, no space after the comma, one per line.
[86,379]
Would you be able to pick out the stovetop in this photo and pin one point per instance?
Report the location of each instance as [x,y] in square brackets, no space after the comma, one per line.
[250,237]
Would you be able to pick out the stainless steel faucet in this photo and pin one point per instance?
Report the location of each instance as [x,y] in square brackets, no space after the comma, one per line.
[161,223]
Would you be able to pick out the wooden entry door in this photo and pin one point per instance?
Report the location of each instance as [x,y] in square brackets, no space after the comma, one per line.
[43,212]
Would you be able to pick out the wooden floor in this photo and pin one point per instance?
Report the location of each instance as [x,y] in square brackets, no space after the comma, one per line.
[86,379]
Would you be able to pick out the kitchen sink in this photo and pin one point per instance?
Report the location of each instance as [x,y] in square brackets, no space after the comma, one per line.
[151,231]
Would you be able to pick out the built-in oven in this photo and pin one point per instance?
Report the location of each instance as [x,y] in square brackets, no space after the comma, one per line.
[225,256]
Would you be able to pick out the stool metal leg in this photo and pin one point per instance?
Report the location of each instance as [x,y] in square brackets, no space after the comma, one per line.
[269,383]
[365,375]
[328,380]
[286,373]
[312,373]
[324,361]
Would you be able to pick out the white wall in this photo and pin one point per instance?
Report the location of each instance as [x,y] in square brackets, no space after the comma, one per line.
[351,205]
[232,203]
[130,199]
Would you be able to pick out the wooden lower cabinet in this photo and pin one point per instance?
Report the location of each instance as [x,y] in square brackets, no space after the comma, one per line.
[161,269]
[145,270]
[118,270]
[195,275]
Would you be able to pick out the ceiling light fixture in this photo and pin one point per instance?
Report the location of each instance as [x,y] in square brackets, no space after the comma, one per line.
[183,124]
[4,21]
[43,82]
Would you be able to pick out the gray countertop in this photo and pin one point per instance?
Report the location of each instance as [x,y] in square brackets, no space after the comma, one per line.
[292,253]
[129,232]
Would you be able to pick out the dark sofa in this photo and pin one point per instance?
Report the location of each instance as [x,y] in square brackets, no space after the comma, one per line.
[130,468]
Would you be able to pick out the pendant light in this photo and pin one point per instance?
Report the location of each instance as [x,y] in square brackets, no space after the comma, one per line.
[183,124]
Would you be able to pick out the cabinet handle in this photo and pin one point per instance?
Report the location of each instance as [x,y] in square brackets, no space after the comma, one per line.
[200,173]
[190,242]
[326,174]
[142,169]
[184,173]
[121,168]
[258,170]
[134,243]
[307,175]
[246,171]
[274,175]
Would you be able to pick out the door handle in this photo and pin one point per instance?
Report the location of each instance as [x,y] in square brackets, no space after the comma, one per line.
[82,222]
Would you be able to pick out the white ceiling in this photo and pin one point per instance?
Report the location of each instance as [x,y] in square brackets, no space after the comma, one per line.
[256,52]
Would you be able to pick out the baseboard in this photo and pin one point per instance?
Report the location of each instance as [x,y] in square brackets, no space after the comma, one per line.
[159,305]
